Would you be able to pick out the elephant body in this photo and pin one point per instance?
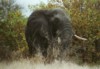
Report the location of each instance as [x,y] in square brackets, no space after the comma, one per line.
[44,26]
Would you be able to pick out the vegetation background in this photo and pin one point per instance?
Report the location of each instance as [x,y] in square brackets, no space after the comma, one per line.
[85,17]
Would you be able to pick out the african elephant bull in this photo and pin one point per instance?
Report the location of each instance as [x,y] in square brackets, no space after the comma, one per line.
[45,25]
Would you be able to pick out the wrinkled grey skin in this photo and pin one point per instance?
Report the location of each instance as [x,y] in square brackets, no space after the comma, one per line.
[44,26]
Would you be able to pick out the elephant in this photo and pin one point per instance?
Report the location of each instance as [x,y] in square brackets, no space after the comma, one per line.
[44,26]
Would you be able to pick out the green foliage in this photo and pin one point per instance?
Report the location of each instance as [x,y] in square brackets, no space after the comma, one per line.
[12,26]
[85,19]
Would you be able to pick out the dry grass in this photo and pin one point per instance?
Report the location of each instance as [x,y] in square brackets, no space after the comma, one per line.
[31,64]
[37,63]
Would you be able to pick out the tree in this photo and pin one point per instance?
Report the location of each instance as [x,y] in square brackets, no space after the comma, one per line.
[12,24]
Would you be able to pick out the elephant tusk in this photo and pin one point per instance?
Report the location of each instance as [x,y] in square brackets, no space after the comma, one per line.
[59,40]
[80,38]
